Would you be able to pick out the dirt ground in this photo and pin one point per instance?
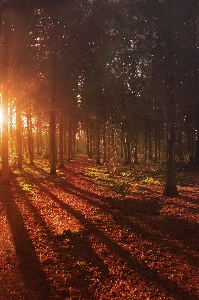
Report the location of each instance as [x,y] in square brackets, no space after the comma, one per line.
[67,237]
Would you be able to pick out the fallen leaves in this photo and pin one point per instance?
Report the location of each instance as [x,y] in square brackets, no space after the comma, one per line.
[92,243]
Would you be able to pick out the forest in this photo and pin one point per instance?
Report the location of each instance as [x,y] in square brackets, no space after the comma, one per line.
[99,149]
[117,80]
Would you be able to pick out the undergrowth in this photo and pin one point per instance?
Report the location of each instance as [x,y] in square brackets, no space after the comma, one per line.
[125,181]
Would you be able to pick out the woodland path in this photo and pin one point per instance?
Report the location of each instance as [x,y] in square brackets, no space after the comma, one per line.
[66,237]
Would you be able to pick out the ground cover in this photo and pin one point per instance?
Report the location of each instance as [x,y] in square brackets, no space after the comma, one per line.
[91,234]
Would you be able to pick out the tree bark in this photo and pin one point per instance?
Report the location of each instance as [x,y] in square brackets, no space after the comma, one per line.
[19,138]
[170,186]
[104,144]
[61,141]
[39,135]
[30,138]
[52,123]
[52,142]
[91,141]
[97,143]
[5,95]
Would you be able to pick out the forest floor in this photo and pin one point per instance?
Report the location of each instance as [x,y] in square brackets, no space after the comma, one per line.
[86,234]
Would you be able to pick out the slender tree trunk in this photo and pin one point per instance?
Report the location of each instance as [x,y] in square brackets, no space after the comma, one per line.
[124,143]
[91,141]
[179,142]
[97,143]
[125,151]
[30,138]
[121,142]
[11,129]
[87,141]
[69,140]
[25,150]
[19,145]
[156,141]
[52,123]
[150,140]
[145,140]
[136,147]
[61,141]
[5,95]
[170,186]
[104,144]
[52,142]
[197,147]
[196,77]
[73,142]
[39,135]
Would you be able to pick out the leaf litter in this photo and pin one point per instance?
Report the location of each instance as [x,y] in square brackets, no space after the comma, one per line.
[75,237]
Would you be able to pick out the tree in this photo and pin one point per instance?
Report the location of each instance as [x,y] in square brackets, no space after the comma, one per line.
[5,92]
[170,186]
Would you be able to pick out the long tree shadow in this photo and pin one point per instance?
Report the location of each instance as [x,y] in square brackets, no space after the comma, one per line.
[132,261]
[142,210]
[68,247]
[123,212]
[29,264]
[72,248]
[193,201]
[140,267]
[76,252]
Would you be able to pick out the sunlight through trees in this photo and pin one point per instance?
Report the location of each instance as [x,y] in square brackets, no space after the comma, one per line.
[118,68]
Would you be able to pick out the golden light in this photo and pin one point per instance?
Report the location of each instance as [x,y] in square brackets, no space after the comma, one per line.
[0,108]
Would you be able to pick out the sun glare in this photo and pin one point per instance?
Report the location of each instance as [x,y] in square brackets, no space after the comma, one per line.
[0,111]
[0,116]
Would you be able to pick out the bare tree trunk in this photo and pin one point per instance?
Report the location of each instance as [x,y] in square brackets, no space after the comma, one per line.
[19,138]
[5,96]
[69,139]
[52,142]
[87,141]
[30,138]
[39,135]
[61,141]
[97,143]
[11,128]
[170,186]
[104,144]
[52,123]
[91,141]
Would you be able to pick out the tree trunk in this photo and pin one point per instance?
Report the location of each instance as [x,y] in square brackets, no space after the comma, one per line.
[97,143]
[5,96]
[104,144]
[61,141]
[197,147]
[91,141]
[30,138]
[39,135]
[136,147]
[11,129]
[5,167]
[170,186]
[69,140]
[19,138]
[52,142]
[87,141]
[52,123]
[146,140]
[150,140]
